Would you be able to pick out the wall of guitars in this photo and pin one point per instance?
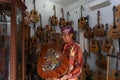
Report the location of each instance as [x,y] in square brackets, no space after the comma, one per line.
[97,31]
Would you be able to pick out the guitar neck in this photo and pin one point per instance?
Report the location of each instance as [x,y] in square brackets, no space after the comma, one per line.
[40,20]
[114,22]
[34,4]
[62,12]
[54,10]
[98,17]
[81,10]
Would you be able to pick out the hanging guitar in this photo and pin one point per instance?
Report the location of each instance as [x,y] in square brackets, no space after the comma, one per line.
[82,20]
[68,23]
[116,73]
[62,20]
[107,42]
[34,14]
[26,17]
[54,20]
[88,31]
[94,45]
[99,28]
[40,31]
[51,62]
[85,70]
[117,13]
[114,30]
[101,61]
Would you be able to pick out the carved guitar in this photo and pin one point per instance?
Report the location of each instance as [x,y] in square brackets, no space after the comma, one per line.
[99,28]
[116,73]
[68,22]
[107,42]
[82,20]
[34,14]
[26,17]
[94,45]
[62,20]
[114,30]
[40,31]
[88,31]
[54,20]
[51,63]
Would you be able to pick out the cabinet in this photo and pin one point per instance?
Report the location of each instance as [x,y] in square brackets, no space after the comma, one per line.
[12,39]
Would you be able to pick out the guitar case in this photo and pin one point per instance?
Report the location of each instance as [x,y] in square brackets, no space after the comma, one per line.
[51,63]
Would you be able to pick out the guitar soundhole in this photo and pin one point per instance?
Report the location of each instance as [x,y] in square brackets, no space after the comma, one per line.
[52,61]
[114,27]
[116,74]
[99,27]
[107,42]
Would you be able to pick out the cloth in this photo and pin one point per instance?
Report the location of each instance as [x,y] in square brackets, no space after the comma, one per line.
[75,59]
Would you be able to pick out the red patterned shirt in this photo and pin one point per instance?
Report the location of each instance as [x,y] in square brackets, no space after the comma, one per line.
[75,58]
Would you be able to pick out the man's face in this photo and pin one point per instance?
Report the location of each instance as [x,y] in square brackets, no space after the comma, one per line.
[67,37]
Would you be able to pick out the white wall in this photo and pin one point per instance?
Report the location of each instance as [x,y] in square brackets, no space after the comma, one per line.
[106,17]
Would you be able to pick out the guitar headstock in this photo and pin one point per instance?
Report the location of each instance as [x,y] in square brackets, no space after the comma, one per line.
[114,8]
[54,7]
[62,10]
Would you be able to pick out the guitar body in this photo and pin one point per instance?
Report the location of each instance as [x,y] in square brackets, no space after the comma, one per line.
[27,18]
[99,75]
[94,46]
[114,32]
[117,14]
[40,32]
[54,20]
[49,65]
[33,44]
[114,75]
[101,61]
[99,30]
[34,16]
[88,33]
[62,22]
[82,23]
[68,23]
[106,45]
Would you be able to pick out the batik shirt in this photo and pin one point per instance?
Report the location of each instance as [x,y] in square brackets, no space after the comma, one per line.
[75,58]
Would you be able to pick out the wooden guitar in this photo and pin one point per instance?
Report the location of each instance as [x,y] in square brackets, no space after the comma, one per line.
[62,20]
[26,17]
[54,20]
[117,13]
[88,31]
[40,31]
[114,30]
[99,75]
[34,14]
[106,43]
[82,20]
[101,61]
[94,45]
[68,22]
[51,63]
[99,28]
[116,73]
[85,70]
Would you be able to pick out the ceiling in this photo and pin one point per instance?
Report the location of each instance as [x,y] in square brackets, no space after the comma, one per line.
[64,2]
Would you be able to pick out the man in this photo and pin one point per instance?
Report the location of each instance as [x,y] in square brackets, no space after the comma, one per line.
[74,54]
